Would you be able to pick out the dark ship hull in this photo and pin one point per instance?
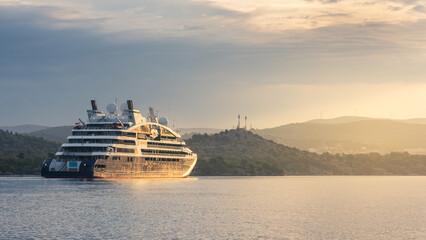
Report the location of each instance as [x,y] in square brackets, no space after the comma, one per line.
[85,170]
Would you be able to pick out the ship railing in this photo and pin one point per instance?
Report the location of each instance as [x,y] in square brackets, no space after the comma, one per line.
[167,154]
[165,147]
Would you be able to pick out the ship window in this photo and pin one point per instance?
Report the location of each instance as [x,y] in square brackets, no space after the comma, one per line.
[129,142]
[125,150]
[131,134]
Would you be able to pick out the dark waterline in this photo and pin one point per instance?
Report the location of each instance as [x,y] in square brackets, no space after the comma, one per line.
[214,207]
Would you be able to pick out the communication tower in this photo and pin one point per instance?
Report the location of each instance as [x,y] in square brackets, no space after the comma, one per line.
[238,125]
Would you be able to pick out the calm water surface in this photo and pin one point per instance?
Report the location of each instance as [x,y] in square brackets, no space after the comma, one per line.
[214,208]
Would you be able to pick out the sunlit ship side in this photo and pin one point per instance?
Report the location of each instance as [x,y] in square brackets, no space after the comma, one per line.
[121,145]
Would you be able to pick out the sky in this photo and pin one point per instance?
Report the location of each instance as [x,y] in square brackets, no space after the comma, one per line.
[201,63]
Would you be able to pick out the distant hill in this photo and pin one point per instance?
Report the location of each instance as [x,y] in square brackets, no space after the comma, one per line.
[372,135]
[60,134]
[415,120]
[239,152]
[187,133]
[349,119]
[23,154]
[344,119]
[54,134]
[27,128]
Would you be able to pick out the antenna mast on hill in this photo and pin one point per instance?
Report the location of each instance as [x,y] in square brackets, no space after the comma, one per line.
[245,123]
[238,126]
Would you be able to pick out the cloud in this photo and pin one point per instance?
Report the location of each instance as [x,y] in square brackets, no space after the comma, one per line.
[323,1]
[195,56]
[214,21]
[330,1]
[138,19]
[419,8]
[34,48]
[395,8]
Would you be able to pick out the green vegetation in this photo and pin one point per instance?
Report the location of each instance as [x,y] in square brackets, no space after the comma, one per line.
[20,154]
[234,152]
[187,133]
[238,152]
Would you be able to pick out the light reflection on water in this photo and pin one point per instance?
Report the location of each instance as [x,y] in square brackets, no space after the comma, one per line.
[213,208]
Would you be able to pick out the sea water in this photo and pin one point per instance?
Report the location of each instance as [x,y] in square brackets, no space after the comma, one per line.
[214,208]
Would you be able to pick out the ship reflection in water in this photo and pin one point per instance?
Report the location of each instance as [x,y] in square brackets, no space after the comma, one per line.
[141,183]
[214,208]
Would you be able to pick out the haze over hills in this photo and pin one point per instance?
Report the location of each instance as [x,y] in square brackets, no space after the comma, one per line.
[351,135]
[60,134]
[348,119]
[346,134]
[415,120]
[344,119]
[54,134]
[26,128]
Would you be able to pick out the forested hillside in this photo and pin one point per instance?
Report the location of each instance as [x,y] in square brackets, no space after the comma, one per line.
[238,152]
[23,154]
[233,152]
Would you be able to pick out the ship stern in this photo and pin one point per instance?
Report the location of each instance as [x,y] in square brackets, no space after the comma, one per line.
[51,168]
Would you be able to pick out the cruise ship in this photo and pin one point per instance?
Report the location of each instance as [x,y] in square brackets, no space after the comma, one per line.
[121,145]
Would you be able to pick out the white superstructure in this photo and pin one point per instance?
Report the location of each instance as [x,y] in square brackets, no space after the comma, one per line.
[121,145]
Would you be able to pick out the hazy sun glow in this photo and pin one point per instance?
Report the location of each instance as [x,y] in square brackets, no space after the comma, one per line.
[276,16]
[276,61]
[395,100]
